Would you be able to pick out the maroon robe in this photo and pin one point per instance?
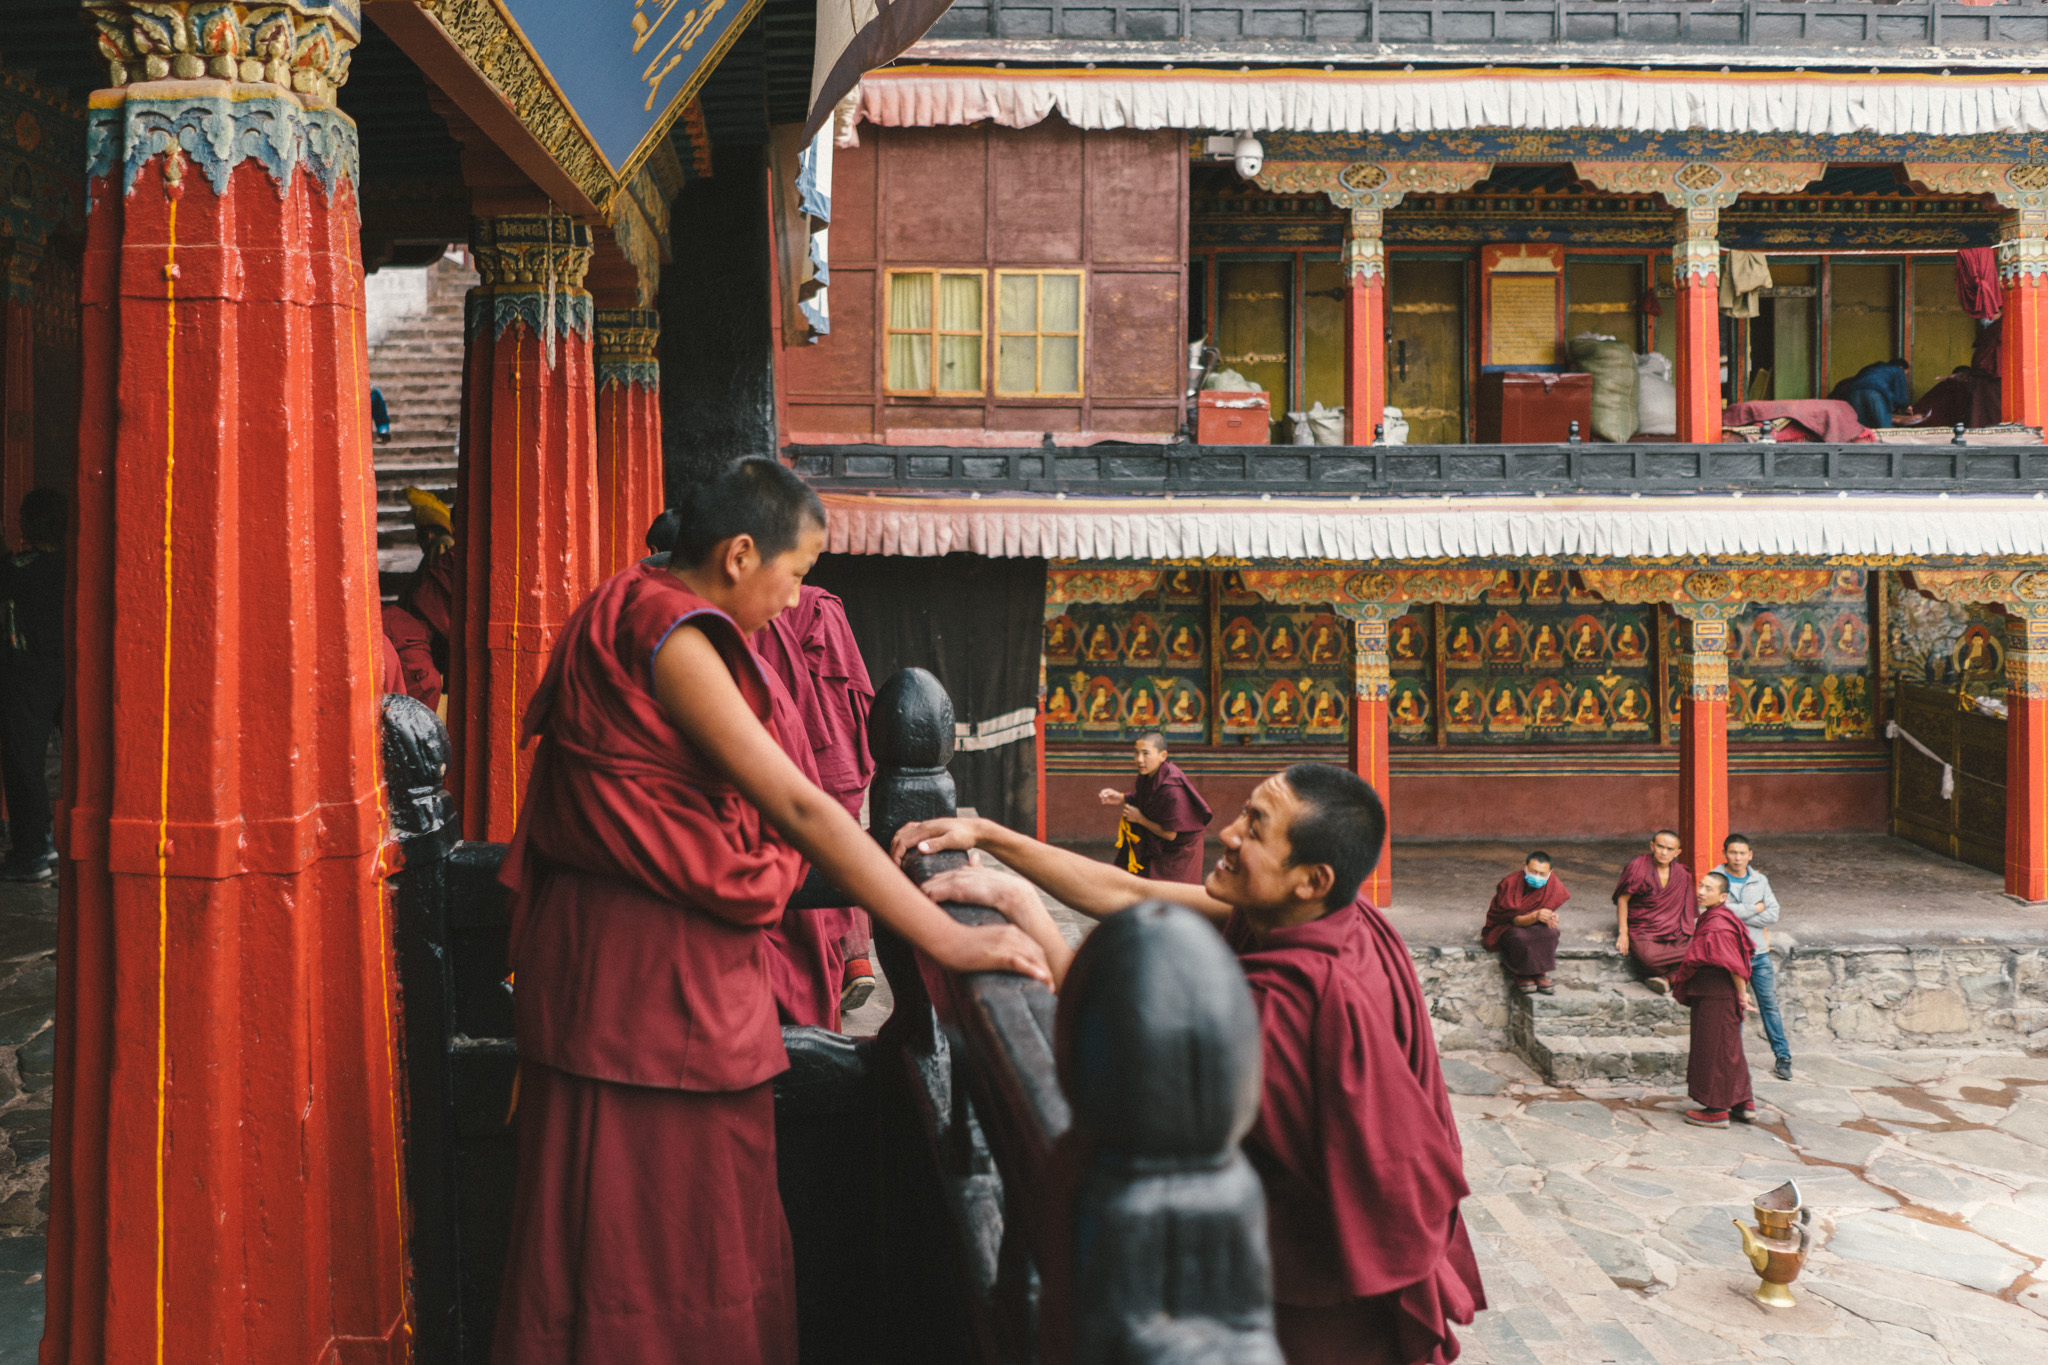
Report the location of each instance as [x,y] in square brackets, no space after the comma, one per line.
[392,677]
[1525,949]
[811,649]
[646,1212]
[1716,1072]
[410,637]
[432,595]
[1166,798]
[1356,1147]
[1659,917]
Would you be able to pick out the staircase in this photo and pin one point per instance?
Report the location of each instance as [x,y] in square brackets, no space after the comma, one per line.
[1602,1025]
[418,368]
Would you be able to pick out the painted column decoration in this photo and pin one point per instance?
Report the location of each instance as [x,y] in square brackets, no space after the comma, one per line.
[1702,738]
[2026,756]
[1372,683]
[629,483]
[1368,190]
[527,516]
[225,1179]
[18,383]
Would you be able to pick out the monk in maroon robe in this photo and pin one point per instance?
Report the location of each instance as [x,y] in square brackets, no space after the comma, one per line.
[413,642]
[666,822]
[1166,813]
[1653,909]
[1708,981]
[1521,923]
[821,957]
[1355,1142]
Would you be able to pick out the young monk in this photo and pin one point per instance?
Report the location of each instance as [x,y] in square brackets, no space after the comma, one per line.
[666,823]
[1355,1143]
[821,964]
[1521,923]
[1168,814]
[1709,981]
[1653,910]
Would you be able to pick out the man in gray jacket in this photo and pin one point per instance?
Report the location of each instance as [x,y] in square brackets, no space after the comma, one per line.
[1749,895]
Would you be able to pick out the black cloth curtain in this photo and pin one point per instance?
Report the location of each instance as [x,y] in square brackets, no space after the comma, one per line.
[975,623]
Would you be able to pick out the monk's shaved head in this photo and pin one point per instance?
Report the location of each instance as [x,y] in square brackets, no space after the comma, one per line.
[756,497]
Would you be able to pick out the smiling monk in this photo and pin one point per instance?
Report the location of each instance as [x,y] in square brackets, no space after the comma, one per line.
[667,822]
[1355,1143]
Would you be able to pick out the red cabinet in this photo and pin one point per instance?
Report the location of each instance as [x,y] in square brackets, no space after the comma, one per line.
[1519,407]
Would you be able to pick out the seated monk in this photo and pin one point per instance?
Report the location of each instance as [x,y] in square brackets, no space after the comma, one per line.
[1709,982]
[667,821]
[1521,923]
[1653,908]
[1355,1143]
[1968,395]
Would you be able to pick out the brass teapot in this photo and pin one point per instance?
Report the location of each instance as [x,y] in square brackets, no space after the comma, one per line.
[1777,1245]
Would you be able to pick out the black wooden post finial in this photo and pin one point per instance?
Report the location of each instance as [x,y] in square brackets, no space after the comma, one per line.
[1573,438]
[910,733]
[1960,438]
[1158,1051]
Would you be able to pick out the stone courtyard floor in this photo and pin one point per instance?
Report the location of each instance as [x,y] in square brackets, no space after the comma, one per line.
[1601,1219]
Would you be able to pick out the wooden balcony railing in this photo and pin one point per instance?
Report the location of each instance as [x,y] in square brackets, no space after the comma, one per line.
[1384,471]
[1404,23]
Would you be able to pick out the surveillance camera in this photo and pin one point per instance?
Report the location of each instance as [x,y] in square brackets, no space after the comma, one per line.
[1249,155]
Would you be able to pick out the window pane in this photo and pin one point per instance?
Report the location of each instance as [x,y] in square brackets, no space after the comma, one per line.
[1060,370]
[1062,304]
[910,302]
[960,303]
[1017,365]
[910,357]
[960,364]
[1017,310]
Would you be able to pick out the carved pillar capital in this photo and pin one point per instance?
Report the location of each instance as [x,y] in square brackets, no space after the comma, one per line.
[532,267]
[628,343]
[2026,658]
[1368,189]
[301,45]
[1703,659]
[1371,671]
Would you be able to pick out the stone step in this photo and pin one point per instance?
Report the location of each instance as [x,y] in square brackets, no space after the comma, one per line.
[1562,1059]
[1588,1010]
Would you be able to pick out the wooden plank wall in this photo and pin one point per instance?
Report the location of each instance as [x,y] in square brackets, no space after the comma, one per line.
[1970,824]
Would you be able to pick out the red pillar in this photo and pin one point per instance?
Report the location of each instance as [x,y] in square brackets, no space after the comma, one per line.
[1365,327]
[18,384]
[1372,684]
[2023,328]
[527,515]
[225,1178]
[1702,740]
[1696,284]
[629,495]
[2026,759]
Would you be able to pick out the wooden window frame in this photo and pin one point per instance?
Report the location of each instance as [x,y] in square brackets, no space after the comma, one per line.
[935,332]
[1079,334]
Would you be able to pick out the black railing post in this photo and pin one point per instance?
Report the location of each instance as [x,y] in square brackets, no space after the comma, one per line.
[1158,1048]
[424,828]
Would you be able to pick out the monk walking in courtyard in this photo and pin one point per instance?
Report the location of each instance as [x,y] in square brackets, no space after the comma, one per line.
[1709,981]
[1521,923]
[1355,1142]
[1653,910]
[667,821]
[1165,813]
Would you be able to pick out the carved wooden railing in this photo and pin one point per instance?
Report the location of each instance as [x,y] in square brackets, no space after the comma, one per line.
[1763,24]
[970,1185]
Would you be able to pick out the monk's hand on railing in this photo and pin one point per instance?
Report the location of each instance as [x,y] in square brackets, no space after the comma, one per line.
[1015,899]
[935,836]
[991,948]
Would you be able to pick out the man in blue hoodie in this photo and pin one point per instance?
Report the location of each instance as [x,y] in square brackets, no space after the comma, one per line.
[1749,895]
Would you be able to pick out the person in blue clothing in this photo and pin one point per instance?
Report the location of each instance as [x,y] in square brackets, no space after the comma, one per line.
[380,416]
[1876,392]
[1749,895]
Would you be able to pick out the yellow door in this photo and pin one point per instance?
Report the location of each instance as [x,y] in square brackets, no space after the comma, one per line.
[1426,357]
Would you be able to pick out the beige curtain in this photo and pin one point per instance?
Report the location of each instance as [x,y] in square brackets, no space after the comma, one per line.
[910,341]
[960,311]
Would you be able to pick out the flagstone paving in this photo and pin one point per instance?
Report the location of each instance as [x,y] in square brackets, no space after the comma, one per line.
[1601,1219]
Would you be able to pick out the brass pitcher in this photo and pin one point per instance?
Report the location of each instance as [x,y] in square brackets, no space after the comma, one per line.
[1777,1245]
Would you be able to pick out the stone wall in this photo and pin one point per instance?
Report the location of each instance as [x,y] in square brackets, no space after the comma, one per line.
[1960,995]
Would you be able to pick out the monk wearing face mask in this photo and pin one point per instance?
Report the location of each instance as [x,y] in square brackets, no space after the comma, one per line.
[1521,923]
